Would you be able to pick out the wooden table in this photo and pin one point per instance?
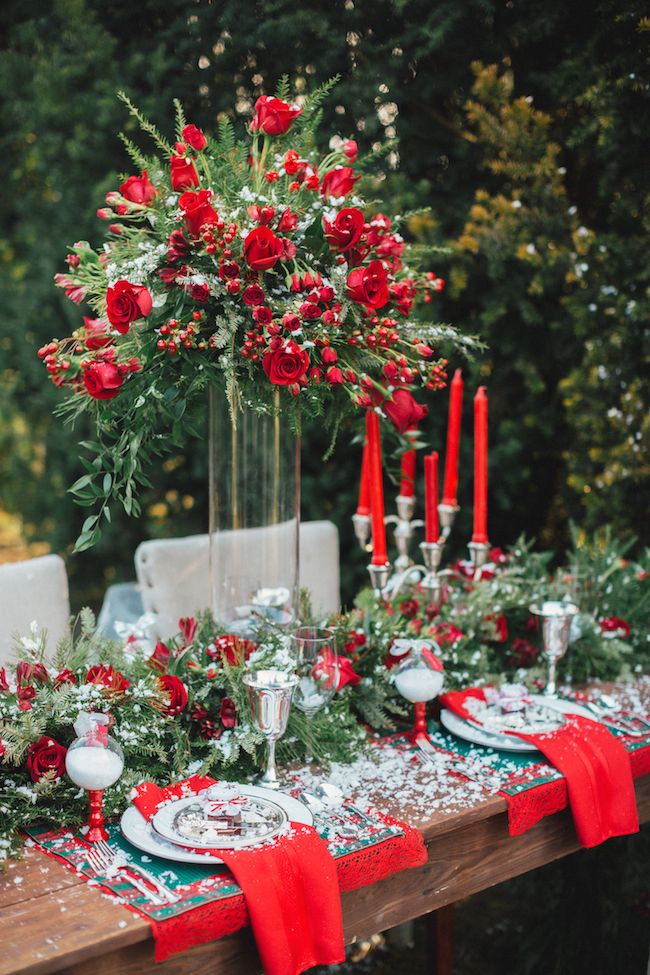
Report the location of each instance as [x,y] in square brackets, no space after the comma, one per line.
[51,921]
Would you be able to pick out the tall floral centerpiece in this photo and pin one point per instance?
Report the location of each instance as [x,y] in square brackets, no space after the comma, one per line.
[255,271]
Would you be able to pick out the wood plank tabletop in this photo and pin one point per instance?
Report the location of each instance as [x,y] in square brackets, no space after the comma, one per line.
[52,921]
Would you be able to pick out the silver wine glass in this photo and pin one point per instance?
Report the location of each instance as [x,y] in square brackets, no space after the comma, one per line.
[556,620]
[269,695]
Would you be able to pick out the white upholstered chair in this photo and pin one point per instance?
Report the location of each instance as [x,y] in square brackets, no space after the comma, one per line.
[33,591]
[174,578]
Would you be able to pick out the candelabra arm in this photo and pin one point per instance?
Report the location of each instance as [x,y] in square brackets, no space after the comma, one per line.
[400,580]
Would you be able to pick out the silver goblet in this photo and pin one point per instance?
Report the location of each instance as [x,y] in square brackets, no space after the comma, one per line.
[269,695]
[556,620]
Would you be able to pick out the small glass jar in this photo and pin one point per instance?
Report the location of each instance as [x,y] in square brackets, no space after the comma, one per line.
[94,761]
[419,677]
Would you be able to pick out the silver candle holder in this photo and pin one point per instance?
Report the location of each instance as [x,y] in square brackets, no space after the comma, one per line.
[269,695]
[362,528]
[478,555]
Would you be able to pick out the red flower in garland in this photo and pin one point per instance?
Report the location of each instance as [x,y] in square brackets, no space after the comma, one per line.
[188,627]
[409,608]
[176,691]
[183,173]
[615,626]
[273,116]
[107,677]
[369,285]
[103,380]
[233,649]
[498,627]
[403,410]
[97,333]
[523,652]
[194,137]
[138,189]
[287,365]
[197,210]
[347,674]
[65,676]
[445,633]
[338,182]
[125,303]
[228,713]
[46,755]
[159,659]
[262,249]
[345,230]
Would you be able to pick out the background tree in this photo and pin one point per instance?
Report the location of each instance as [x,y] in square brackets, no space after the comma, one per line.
[555,285]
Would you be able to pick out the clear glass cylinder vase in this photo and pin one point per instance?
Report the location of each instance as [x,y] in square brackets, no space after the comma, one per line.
[254,502]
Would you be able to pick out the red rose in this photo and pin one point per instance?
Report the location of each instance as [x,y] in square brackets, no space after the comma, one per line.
[347,674]
[345,230]
[287,222]
[4,683]
[65,676]
[183,173]
[228,713]
[97,333]
[46,755]
[198,211]
[350,149]
[369,285]
[409,608]
[253,295]
[194,137]
[286,366]
[178,246]
[103,380]
[138,189]
[262,249]
[125,303]
[614,626]
[176,691]
[523,653]
[338,182]
[107,677]
[403,411]
[273,116]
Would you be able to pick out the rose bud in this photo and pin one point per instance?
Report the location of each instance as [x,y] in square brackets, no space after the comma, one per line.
[334,376]
[350,149]
[329,355]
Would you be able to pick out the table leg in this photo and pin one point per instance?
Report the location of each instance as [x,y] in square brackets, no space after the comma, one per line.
[440,926]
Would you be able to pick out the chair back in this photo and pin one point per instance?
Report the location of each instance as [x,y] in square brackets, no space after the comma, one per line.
[33,591]
[173,573]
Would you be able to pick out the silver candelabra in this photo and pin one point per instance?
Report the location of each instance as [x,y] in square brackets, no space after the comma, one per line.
[388,580]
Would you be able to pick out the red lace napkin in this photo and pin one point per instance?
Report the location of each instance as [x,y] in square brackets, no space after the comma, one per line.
[595,765]
[290,886]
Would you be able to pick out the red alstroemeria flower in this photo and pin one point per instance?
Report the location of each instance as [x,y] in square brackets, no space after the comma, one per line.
[107,677]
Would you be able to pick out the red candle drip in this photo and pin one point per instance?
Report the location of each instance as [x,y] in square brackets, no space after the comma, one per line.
[407,484]
[363,507]
[375,477]
[431,525]
[450,488]
[480,465]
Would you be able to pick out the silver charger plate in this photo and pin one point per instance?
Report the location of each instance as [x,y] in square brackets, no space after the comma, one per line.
[141,834]
[503,742]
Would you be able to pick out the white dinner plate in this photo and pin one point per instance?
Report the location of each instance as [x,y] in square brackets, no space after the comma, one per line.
[505,743]
[141,834]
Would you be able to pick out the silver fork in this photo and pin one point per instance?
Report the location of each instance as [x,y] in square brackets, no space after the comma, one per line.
[470,770]
[118,860]
[109,870]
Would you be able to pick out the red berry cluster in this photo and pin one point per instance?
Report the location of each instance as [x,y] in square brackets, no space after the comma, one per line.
[176,335]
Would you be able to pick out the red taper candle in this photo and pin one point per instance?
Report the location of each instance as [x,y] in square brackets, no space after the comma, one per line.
[450,488]
[431,525]
[375,476]
[407,483]
[480,465]
[363,506]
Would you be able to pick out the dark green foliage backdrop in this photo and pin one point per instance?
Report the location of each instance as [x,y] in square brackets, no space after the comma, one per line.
[538,185]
